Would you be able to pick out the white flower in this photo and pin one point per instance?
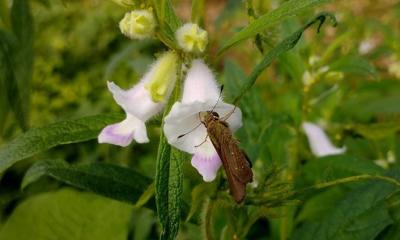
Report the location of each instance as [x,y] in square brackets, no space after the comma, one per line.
[319,141]
[141,102]
[138,24]
[191,38]
[200,94]
[367,46]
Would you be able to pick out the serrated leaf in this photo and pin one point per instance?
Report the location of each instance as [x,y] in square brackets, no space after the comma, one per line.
[169,180]
[169,185]
[108,180]
[284,46]
[44,138]
[286,10]
[338,166]
[68,214]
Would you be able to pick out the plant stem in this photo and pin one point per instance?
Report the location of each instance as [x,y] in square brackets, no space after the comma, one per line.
[207,219]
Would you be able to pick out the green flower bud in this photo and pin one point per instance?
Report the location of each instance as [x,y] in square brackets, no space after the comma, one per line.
[191,38]
[163,77]
[138,24]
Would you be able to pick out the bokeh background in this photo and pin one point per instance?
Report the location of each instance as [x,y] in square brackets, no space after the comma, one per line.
[346,79]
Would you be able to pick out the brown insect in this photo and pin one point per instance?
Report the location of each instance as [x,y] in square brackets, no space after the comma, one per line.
[234,160]
[236,164]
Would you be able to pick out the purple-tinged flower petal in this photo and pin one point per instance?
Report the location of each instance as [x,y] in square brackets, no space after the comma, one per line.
[206,165]
[124,132]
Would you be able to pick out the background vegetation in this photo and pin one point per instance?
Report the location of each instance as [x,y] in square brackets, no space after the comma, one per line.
[57,182]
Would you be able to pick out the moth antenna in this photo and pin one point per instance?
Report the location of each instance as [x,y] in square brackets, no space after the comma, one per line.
[219,97]
[224,118]
[198,125]
[182,135]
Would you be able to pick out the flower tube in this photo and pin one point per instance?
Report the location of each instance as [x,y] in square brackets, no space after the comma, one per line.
[141,102]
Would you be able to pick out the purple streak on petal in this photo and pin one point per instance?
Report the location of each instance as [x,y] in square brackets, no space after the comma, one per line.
[207,166]
[110,135]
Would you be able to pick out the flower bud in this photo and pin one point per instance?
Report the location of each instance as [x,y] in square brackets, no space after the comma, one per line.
[191,38]
[163,77]
[138,24]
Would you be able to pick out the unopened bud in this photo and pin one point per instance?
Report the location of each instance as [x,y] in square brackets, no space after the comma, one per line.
[138,24]
[191,38]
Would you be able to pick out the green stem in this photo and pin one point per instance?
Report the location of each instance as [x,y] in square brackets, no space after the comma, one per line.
[293,194]
[4,14]
[352,179]
[207,219]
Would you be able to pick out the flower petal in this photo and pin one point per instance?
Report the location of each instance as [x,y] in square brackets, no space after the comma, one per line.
[319,142]
[124,132]
[200,84]
[207,166]
[136,101]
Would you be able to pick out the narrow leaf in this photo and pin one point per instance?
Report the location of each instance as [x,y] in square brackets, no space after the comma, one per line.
[287,9]
[108,180]
[22,58]
[284,46]
[41,139]
[169,181]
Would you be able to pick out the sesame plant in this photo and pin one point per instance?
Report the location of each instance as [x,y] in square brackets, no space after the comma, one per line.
[145,119]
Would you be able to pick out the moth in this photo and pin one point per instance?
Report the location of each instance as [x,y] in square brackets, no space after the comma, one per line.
[236,164]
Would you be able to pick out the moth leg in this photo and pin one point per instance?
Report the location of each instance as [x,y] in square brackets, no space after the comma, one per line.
[205,140]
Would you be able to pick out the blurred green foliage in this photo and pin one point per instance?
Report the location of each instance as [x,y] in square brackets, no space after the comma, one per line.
[346,79]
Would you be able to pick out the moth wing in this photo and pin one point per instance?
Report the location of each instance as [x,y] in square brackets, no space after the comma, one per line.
[234,161]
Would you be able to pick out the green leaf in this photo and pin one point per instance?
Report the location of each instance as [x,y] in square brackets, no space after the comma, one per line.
[319,205]
[11,93]
[68,214]
[287,9]
[169,185]
[338,166]
[44,138]
[361,215]
[284,46]
[22,58]
[168,20]
[377,131]
[112,181]
[198,11]
[200,193]
[6,77]
[169,180]
[353,64]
